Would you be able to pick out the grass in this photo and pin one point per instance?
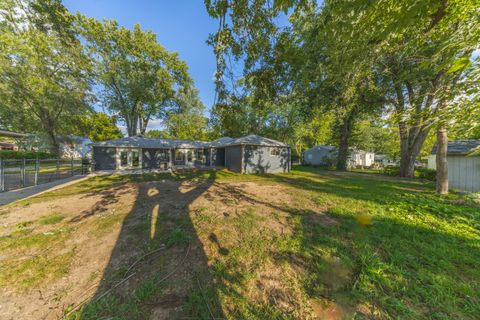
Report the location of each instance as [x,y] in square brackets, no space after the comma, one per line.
[51,219]
[366,247]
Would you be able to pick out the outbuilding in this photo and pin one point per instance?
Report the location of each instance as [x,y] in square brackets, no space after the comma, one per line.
[319,155]
[249,154]
[463,165]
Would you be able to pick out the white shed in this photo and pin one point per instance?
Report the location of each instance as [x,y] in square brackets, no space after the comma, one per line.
[463,167]
[361,158]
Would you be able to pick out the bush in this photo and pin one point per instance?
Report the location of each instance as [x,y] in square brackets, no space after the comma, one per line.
[8,154]
[425,173]
[392,171]
[421,173]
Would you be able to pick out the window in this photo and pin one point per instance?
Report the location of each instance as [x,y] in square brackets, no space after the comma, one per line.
[124,158]
[135,158]
[199,154]
[309,157]
[275,151]
[189,155]
[178,155]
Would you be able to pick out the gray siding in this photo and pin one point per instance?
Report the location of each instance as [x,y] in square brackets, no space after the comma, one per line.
[317,156]
[233,158]
[464,173]
[259,159]
[105,158]
[155,158]
[219,156]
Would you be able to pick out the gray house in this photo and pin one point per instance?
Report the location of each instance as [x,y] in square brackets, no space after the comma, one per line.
[463,167]
[319,155]
[249,154]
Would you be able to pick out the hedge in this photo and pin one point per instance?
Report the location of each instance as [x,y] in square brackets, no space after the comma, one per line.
[421,173]
[9,154]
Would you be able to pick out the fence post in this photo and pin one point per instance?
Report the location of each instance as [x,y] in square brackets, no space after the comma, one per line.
[71,165]
[58,169]
[22,172]
[2,176]
[37,168]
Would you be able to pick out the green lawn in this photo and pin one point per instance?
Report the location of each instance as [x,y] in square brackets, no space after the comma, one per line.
[290,246]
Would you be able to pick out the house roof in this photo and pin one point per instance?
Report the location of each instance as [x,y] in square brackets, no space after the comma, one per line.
[11,134]
[142,142]
[256,140]
[221,142]
[460,147]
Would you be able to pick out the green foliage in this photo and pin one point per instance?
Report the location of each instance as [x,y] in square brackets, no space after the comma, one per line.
[188,120]
[138,76]
[8,154]
[157,134]
[51,219]
[99,127]
[43,69]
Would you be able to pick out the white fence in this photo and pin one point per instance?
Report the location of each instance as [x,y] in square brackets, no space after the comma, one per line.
[21,173]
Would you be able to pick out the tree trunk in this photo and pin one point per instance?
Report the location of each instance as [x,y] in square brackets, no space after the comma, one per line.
[54,145]
[441,158]
[410,147]
[345,133]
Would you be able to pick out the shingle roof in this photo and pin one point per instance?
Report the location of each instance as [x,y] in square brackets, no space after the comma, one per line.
[460,147]
[142,142]
[221,142]
[256,140]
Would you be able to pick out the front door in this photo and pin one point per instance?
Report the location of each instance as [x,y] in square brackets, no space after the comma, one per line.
[129,158]
[189,157]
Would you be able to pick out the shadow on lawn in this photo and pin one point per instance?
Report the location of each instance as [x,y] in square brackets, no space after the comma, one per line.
[158,268]
[391,268]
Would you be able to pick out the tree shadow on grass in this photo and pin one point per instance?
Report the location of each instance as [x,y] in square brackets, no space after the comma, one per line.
[390,267]
[157,268]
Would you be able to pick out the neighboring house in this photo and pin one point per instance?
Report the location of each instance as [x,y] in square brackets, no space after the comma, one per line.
[9,143]
[69,146]
[249,154]
[463,167]
[327,155]
[361,158]
[319,155]
[385,161]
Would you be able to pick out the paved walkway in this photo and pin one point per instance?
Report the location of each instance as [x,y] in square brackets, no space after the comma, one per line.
[19,194]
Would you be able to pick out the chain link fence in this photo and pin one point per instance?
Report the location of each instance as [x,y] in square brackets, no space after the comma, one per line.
[21,173]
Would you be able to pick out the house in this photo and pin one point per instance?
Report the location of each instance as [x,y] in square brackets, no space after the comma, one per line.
[7,141]
[361,158]
[327,155]
[71,146]
[249,154]
[319,155]
[463,166]
[385,161]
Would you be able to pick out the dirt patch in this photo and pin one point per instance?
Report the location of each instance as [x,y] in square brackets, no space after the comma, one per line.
[198,223]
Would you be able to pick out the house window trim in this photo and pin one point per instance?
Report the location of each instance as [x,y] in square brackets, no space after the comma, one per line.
[129,165]
[274,151]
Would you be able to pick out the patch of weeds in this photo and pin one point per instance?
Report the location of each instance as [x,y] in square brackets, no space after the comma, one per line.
[178,236]
[51,219]
[30,273]
[116,307]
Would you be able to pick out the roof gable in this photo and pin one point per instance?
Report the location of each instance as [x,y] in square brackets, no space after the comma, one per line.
[459,147]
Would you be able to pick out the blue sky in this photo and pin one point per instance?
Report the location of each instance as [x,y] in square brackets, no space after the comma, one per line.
[181,25]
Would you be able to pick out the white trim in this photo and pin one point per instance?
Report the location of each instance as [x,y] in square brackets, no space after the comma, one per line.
[129,158]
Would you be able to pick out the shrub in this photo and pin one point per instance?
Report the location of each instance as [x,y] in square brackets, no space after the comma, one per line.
[425,173]
[391,171]
[9,154]
[421,173]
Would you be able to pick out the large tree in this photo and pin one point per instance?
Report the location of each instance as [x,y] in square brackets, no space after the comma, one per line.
[138,76]
[43,71]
